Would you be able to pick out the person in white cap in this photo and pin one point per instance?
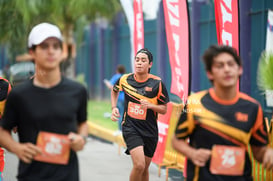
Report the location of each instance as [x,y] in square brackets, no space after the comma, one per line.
[50,113]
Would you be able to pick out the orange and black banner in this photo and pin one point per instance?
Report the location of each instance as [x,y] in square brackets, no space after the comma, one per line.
[138,26]
[178,39]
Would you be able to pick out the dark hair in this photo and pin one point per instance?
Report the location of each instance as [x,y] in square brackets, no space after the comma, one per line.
[33,47]
[147,52]
[215,50]
[121,69]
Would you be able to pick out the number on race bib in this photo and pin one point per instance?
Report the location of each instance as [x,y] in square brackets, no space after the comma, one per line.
[136,111]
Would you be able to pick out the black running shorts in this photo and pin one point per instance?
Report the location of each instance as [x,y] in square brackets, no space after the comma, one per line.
[134,139]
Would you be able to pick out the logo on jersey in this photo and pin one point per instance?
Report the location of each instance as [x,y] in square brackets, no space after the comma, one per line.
[241,117]
[136,111]
[148,89]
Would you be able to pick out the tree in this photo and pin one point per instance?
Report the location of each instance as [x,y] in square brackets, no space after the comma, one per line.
[18,16]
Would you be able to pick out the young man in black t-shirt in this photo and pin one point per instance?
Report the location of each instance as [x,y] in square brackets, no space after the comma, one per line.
[145,97]
[48,103]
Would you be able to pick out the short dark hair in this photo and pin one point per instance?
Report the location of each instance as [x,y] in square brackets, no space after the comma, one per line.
[121,69]
[147,52]
[33,47]
[215,50]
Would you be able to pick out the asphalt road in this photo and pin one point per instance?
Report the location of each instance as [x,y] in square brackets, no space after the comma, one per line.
[99,161]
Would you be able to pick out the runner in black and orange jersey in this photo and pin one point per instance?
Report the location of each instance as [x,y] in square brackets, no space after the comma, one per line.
[145,97]
[220,123]
[5,88]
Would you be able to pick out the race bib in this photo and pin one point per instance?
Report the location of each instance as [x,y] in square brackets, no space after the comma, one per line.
[227,160]
[55,148]
[136,111]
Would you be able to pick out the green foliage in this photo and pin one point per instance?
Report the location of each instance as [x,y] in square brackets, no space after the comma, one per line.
[18,16]
[81,79]
[11,31]
[265,72]
[97,111]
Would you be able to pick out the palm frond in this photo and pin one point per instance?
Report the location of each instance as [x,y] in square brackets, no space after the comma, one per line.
[265,72]
[17,17]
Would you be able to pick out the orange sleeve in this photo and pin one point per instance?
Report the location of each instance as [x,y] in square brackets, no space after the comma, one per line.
[259,133]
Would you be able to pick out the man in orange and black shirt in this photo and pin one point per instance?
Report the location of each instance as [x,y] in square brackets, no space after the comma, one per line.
[5,88]
[220,123]
[145,97]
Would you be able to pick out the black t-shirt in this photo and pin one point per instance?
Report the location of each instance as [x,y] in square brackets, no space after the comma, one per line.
[152,90]
[59,109]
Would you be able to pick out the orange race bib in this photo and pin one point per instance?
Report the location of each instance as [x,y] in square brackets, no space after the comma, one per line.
[55,148]
[136,111]
[227,160]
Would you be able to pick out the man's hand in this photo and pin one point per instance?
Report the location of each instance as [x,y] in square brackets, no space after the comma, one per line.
[200,157]
[268,159]
[115,114]
[161,109]
[77,141]
[145,104]
[27,151]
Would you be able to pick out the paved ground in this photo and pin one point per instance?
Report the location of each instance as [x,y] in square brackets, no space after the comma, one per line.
[103,163]
[99,161]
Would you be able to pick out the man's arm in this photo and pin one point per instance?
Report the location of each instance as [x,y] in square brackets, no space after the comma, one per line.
[198,156]
[161,108]
[24,151]
[108,84]
[78,140]
[115,112]
[264,155]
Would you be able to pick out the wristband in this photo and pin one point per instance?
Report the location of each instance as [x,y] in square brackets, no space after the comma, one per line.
[84,138]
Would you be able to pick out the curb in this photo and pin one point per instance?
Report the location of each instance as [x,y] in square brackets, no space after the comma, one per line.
[105,134]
